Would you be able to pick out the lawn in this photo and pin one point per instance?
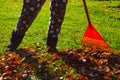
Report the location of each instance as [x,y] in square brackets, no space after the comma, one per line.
[105,15]
[73,62]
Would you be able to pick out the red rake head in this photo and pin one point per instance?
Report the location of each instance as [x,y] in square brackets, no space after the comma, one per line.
[93,39]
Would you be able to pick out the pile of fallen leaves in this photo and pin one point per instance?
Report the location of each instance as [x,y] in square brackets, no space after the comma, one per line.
[31,63]
[94,64]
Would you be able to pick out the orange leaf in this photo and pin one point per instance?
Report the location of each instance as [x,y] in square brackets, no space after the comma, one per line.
[0,60]
[8,73]
[118,77]
[14,57]
[18,62]
[84,78]
[26,48]
[19,75]
[70,78]
[109,74]
[11,62]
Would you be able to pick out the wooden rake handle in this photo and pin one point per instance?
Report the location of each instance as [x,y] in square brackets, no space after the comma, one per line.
[86,10]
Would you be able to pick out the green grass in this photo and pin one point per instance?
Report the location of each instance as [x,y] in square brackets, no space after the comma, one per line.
[104,15]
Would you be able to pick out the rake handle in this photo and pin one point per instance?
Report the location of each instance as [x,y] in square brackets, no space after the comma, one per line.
[86,10]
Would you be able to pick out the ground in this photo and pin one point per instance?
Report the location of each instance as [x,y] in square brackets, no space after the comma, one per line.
[32,63]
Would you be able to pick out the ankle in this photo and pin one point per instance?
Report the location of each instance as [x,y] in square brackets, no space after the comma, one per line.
[51,49]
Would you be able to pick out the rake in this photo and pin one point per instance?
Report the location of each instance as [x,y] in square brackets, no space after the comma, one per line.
[91,36]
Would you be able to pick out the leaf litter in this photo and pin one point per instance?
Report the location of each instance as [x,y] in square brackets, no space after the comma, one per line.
[32,63]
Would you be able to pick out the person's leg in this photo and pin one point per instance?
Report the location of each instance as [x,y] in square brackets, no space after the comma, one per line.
[29,12]
[58,8]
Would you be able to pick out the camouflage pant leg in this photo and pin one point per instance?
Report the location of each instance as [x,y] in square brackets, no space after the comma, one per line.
[58,8]
[29,12]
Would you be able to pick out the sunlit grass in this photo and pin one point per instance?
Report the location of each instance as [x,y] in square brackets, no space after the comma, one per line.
[105,15]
